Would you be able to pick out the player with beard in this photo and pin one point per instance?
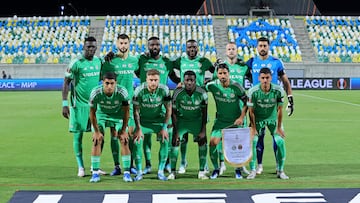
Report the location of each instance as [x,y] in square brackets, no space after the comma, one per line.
[264,59]
[148,61]
[199,65]
[123,65]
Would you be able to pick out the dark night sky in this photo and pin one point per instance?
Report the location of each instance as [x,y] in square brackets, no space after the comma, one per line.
[160,7]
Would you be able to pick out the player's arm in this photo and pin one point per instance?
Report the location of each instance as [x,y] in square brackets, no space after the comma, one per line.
[126,109]
[287,87]
[252,126]
[168,108]
[204,117]
[175,138]
[170,65]
[65,92]
[136,113]
[97,135]
[279,129]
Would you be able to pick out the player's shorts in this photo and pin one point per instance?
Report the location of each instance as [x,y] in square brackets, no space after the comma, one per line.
[149,128]
[271,125]
[109,120]
[192,127]
[79,119]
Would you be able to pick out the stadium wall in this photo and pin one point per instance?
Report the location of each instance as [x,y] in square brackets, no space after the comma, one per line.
[295,70]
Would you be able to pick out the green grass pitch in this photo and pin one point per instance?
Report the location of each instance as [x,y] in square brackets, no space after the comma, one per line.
[322,140]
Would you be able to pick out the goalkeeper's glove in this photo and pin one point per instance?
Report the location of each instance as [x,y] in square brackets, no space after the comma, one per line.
[290,106]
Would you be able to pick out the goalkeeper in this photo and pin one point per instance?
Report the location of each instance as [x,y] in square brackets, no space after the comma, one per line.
[264,59]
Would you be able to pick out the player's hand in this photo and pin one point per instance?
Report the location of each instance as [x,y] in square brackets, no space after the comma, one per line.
[65,112]
[109,56]
[164,135]
[137,135]
[290,106]
[239,121]
[179,85]
[124,136]
[97,137]
[281,132]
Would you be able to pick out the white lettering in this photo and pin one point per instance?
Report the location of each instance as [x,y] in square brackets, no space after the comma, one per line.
[356,199]
[311,83]
[7,85]
[288,197]
[116,198]
[189,198]
[224,99]
[47,199]
[28,84]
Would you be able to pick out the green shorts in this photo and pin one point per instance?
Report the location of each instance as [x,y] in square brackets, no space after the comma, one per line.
[79,119]
[192,127]
[109,120]
[149,128]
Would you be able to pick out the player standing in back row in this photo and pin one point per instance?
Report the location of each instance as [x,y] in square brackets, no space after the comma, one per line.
[81,76]
[264,59]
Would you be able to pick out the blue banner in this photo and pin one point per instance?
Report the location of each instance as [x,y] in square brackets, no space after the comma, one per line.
[355,83]
[49,84]
[31,84]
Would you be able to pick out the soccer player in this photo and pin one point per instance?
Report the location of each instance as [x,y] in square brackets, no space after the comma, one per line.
[152,112]
[229,112]
[109,106]
[189,103]
[264,59]
[265,105]
[81,76]
[124,66]
[154,60]
[199,65]
[237,70]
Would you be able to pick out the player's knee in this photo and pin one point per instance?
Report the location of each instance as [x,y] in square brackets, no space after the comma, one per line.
[214,141]
[279,140]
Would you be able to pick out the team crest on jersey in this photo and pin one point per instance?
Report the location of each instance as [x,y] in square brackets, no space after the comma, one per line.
[197,102]
[108,102]
[91,68]
[218,93]
[116,102]
[158,99]
[232,95]
[273,100]
[189,102]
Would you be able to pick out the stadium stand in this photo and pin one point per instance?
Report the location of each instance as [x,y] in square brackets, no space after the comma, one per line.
[173,31]
[42,40]
[334,38]
[41,47]
[245,31]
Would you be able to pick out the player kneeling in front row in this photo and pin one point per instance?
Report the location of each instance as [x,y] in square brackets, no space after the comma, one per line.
[152,112]
[189,115]
[265,105]
[109,107]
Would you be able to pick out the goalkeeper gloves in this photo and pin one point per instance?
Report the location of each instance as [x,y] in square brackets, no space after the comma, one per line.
[290,106]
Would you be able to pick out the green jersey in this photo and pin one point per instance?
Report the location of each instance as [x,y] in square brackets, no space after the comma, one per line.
[151,104]
[227,100]
[189,108]
[237,72]
[110,105]
[199,65]
[265,104]
[85,76]
[163,65]
[124,69]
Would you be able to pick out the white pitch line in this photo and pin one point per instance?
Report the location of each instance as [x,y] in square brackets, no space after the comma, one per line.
[330,100]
